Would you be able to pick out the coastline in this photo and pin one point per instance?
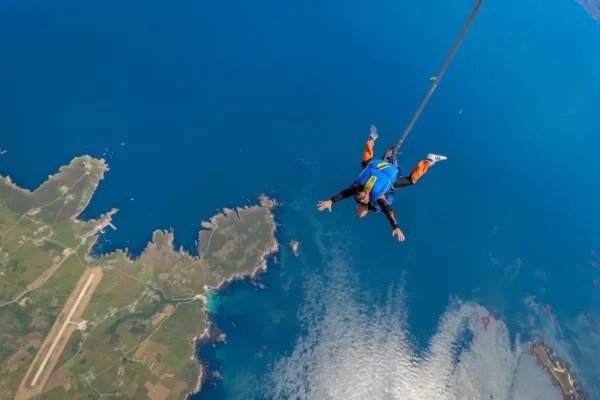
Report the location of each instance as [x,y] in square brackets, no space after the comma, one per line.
[103,169]
[557,368]
[212,332]
[99,167]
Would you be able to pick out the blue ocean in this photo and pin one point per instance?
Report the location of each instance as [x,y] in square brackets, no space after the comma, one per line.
[198,106]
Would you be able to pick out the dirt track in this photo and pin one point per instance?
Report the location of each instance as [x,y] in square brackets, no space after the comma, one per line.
[43,364]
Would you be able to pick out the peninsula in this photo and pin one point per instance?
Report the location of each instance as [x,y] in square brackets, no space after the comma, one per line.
[77,327]
[559,371]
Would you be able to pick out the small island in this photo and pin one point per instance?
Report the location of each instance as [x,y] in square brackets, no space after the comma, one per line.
[558,369]
[295,246]
[81,326]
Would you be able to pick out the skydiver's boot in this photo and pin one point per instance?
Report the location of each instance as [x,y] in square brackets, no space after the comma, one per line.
[433,158]
[374,135]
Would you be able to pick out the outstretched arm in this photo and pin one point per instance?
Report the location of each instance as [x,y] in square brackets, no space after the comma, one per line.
[344,194]
[391,216]
[366,159]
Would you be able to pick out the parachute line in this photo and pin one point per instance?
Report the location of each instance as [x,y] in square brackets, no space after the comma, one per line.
[440,74]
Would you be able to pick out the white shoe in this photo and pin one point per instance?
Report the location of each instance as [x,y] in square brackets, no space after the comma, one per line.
[374,135]
[433,158]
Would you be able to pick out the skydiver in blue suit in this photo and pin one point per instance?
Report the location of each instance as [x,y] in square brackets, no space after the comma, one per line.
[374,187]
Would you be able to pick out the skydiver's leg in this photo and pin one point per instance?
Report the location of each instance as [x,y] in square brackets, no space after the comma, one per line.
[415,175]
[402,182]
[368,153]
[420,170]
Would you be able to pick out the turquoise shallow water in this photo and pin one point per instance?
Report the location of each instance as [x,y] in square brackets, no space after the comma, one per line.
[202,106]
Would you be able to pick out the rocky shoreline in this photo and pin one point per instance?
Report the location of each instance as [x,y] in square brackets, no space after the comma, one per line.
[212,333]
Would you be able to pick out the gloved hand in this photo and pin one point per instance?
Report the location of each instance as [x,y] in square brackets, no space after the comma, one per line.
[373,136]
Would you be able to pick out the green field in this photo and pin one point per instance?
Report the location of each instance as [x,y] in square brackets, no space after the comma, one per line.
[145,312]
